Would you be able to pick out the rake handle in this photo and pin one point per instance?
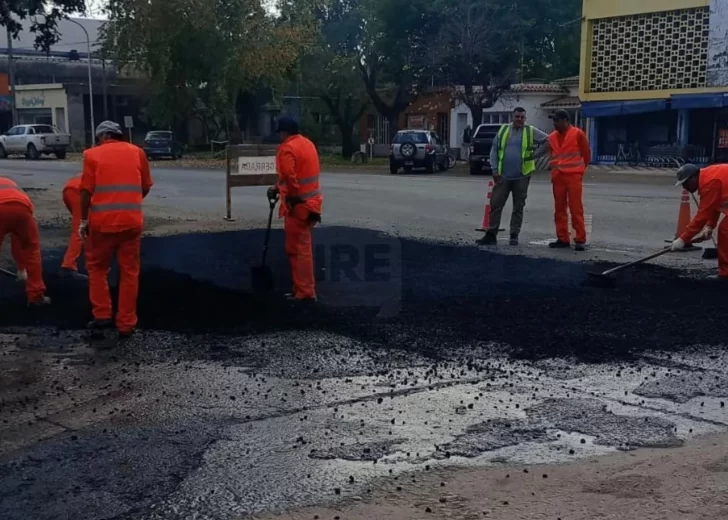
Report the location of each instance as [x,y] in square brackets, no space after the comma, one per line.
[637,262]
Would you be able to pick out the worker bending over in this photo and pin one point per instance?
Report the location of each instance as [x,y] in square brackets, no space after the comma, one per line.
[298,167]
[72,200]
[16,220]
[712,185]
[570,156]
[114,182]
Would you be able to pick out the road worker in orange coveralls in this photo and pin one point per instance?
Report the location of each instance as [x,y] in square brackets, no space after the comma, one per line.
[570,156]
[712,185]
[298,167]
[72,200]
[115,180]
[16,220]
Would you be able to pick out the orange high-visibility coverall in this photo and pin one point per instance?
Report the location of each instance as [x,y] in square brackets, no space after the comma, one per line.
[117,176]
[298,168]
[570,155]
[72,200]
[713,190]
[16,219]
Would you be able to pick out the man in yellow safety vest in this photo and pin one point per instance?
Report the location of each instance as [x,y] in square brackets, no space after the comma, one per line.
[513,159]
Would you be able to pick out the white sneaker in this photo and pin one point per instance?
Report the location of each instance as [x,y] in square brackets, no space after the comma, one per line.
[22,275]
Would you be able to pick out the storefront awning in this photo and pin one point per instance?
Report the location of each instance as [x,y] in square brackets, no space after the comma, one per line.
[622,108]
[709,100]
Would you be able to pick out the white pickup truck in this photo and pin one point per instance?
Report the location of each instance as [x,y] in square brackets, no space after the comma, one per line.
[34,141]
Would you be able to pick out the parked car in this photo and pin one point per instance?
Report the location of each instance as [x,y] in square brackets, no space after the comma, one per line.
[480,146]
[161,143]
[417,149]
[34,141]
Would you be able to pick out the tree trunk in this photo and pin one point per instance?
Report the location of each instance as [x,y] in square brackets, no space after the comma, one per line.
[347,141]
[476,109]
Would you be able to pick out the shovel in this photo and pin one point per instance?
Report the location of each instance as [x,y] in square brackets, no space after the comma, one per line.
[606,281]
[8,273]
[262,275]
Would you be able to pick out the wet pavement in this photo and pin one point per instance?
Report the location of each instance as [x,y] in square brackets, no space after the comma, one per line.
[422,355]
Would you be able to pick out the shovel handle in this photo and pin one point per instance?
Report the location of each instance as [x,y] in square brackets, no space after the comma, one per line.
[8,273]
[637,262]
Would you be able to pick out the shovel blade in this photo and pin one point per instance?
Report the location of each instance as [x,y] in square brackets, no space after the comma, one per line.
[262,278]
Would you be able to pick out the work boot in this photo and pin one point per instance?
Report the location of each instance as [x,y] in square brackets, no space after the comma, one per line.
[559,245]
[291,298]
[579,247]
[73,275]
[22,276]
[40,303]
[489,239]
[514,240]
[100,324]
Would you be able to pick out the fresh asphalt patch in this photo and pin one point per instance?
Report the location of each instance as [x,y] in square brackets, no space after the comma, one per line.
[229,403]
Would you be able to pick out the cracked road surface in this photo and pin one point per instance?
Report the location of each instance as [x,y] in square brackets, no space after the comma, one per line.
[228,405]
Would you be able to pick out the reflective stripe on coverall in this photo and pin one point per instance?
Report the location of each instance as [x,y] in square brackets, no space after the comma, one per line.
[116,174]
[298,168]
[713,190]
[72,200]
[568,165]
[16,220]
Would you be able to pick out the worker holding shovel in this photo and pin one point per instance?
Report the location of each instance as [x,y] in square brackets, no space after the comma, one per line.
[712,185]
[298,168]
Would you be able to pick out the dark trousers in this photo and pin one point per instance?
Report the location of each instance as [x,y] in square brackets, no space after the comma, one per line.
[501,192]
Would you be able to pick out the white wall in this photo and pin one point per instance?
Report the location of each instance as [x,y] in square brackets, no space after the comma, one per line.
[537,116]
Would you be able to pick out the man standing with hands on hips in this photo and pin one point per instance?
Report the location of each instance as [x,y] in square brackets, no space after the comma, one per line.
[570,156]
[114,182]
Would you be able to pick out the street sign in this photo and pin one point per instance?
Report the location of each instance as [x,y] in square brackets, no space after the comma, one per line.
[128,122]
[256,165]
[370,141]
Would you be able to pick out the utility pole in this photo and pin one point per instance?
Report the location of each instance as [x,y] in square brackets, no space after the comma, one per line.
[11,75]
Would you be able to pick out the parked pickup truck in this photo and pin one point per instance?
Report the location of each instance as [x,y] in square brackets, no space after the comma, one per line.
[34,141]
[480,149]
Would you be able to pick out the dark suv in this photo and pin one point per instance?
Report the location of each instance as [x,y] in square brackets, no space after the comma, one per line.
[161,143]
[417,149]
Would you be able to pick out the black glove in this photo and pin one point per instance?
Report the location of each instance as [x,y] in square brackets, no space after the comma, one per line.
[272,193]
[314,218]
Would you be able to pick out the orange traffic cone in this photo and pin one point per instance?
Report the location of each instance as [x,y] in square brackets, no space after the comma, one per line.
[685,215]
[486,212]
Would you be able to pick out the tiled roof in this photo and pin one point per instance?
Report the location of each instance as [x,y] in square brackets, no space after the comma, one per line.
[537,87]
[563,102]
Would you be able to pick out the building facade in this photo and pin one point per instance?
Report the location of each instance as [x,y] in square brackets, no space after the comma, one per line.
[654,77]
[539,100]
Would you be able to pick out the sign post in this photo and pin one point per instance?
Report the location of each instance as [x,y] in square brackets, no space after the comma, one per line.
[256,166]
[370,141]
[129,124]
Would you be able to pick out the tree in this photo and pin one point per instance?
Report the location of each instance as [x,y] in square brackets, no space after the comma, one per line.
[199,54]
[44,16]
[329,68]
[550,37]
[394,60]
[478,51]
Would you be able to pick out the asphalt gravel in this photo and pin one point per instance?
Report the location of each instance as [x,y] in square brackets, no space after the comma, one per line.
[229,403]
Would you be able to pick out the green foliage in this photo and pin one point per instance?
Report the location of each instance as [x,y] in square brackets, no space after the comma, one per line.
[199,54]
[44,16]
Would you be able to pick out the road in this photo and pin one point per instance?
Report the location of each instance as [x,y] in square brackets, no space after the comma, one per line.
[227,404]
[628,215]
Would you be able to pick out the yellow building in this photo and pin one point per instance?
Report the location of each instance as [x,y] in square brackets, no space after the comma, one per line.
[655,73]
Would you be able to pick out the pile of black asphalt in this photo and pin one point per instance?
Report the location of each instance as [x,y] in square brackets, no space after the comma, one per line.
[447,297]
